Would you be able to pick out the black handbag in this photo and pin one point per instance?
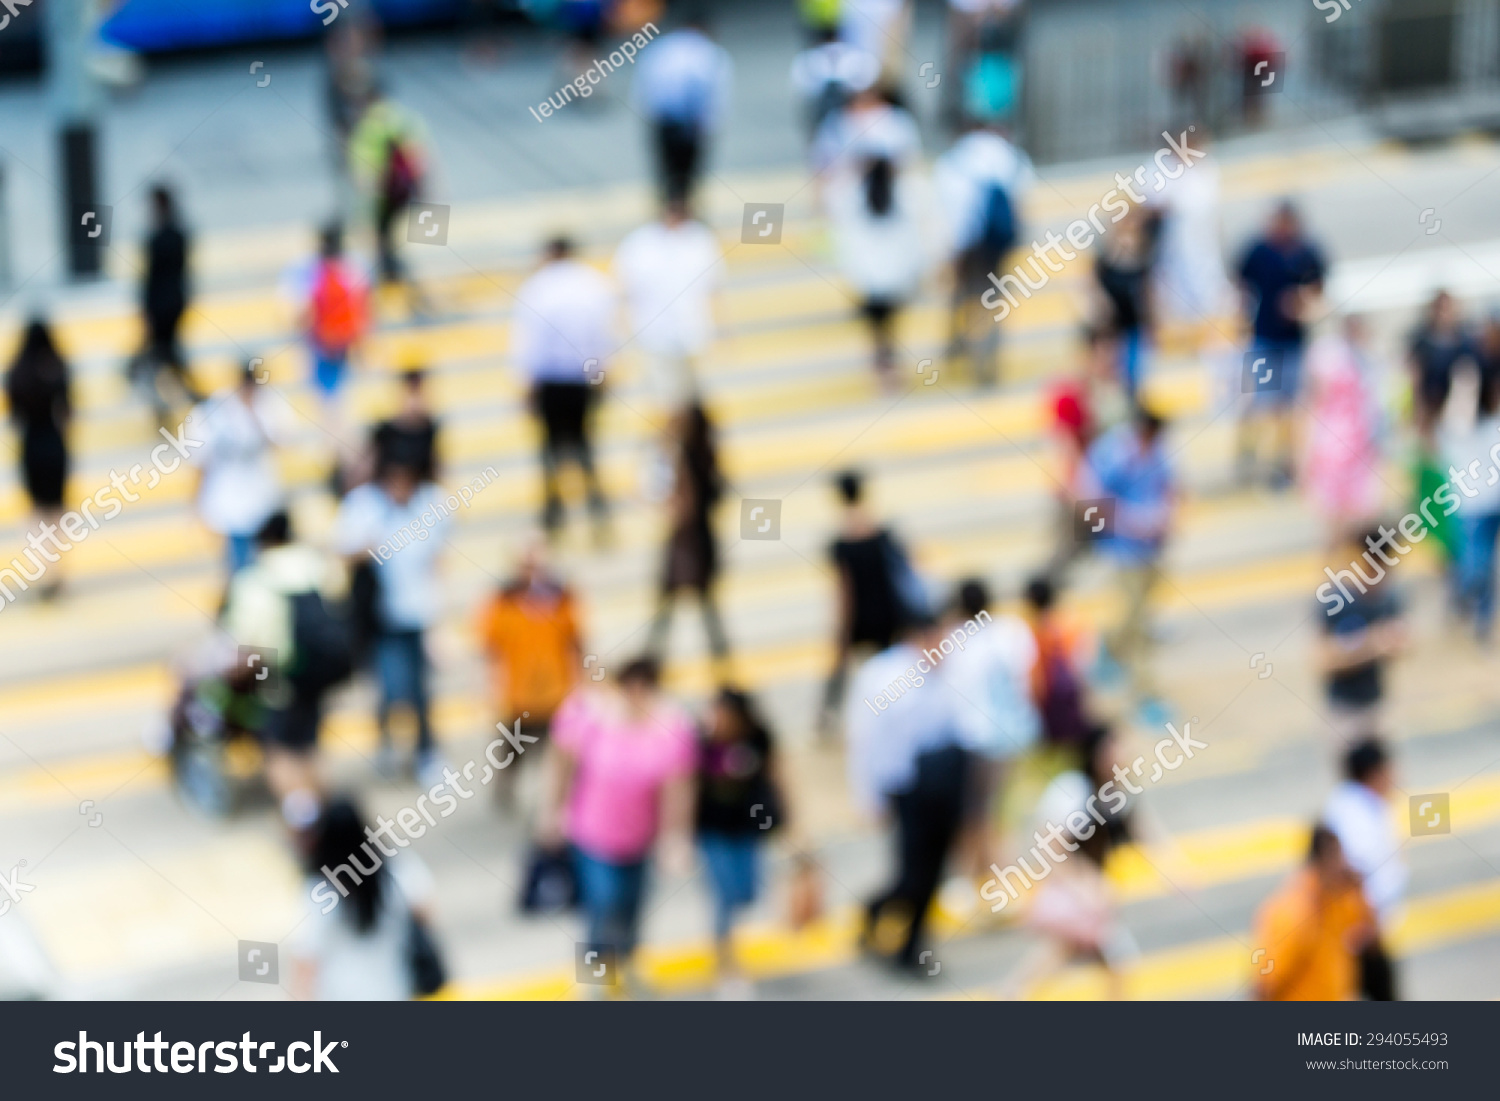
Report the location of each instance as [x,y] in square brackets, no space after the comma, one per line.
[551,884]
[428,974]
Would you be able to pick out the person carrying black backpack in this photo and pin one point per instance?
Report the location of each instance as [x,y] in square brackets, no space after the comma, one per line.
[294,641]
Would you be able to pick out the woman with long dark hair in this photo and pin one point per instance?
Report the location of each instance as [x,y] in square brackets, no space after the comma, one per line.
[692,552]
[36,387]
[366,910]
[740,800]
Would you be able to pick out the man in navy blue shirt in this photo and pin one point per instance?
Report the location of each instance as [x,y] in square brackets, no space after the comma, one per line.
[1280,274]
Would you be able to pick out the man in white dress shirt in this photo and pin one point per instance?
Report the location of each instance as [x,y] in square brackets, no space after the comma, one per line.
[562,338]
[682,88]
[1359,813]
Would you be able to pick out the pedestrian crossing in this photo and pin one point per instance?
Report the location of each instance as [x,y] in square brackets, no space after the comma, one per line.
[967,476]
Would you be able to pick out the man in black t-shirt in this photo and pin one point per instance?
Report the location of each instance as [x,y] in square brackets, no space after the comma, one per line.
[870,607]
[410,437]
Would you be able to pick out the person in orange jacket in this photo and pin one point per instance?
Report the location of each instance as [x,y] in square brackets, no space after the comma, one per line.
[529,631]
[1313,929]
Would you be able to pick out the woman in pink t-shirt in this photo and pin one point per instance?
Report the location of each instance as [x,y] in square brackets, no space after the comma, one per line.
[621,776]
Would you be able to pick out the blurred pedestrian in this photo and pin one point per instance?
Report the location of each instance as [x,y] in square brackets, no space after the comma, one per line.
[871,607]
[620,781]
[879,28]
[1474,465]
[980,184]
[1438,347]
[1084,407]
[1075,908]
[529,631]
[563,338]
[670,271]
[827,75]
[1057,686]
[872,126]
[741,800]
[333,295]
[1362,629]
[1341,470]
[277,610]
[990,680]
[350,47]
[882,234]
[1313,929]
[1130,467]
[1189,283]
[354,943]
[691,557]
[906,759]
[1359,813]
[1281,273]
[388,160]
[391,522]
[164,299]
[985,63]
[410,437]
[1126,312]
[37,388]
[239,484]
[681,87]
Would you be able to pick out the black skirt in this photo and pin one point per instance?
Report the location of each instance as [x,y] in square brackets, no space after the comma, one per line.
[44,465]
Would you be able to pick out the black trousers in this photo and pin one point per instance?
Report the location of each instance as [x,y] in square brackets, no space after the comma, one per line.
[679,151]
[928,815]
[563,408]
[1377,975]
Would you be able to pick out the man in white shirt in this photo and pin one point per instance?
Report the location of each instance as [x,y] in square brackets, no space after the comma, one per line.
[670,271]
[1359,813]
[562,333]
[397,521]
[682,88]
[905,756]
[980,183]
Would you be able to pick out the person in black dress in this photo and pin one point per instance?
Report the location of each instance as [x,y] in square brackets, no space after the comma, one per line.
[164,299]
[692,552]
[36,387]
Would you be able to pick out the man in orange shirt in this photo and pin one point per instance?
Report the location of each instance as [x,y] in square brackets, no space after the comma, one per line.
[529,630]
[1313,929]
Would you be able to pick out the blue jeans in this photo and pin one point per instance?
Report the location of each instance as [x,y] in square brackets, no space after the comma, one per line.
[612,896]
[1289,356]
[240,550]
[1477,568]
[1132,360]
[734,868]
[401,662]
[328,371]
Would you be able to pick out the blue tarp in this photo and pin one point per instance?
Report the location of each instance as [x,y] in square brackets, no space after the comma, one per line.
[158,25]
